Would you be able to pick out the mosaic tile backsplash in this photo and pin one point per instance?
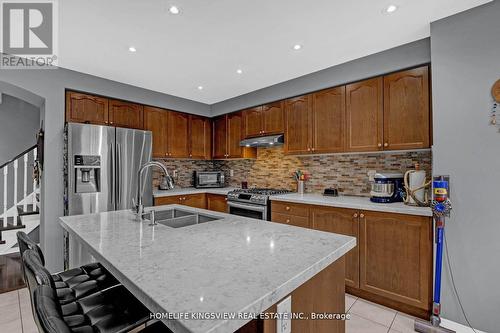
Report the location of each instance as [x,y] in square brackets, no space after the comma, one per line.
[272,168]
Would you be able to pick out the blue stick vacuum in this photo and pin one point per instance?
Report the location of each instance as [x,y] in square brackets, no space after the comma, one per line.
[441,207]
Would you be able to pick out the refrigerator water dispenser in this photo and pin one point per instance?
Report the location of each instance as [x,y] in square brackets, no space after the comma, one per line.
[87,174]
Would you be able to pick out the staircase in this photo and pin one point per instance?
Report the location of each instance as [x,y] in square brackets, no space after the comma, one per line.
[18,199]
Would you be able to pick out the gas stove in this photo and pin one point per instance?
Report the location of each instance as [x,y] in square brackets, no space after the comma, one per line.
[258,196]
[252,202]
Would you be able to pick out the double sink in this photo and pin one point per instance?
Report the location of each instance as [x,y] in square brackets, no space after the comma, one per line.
[178,218]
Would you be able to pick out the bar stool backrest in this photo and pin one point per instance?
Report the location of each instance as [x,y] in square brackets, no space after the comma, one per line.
[47,313]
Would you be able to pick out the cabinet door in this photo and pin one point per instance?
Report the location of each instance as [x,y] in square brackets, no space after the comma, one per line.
[83,108]
[170,200]
[344,222]
[217,203]
[200,137]
[195,200]
[298,125]
[406,109]
[328,120]
[364,115]
[396,257]
[178,134]
[234,135]
[273,116]
[126,114]
[155,120]
[253,123]
[220,137]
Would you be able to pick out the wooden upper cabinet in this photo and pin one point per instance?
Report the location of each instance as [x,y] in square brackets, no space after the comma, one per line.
[219,142]
[298,124]
[364,115]
[345,222]
[155,120]
[273,118]
[328,121]
[253,124]
[178,134]
[406,109]
[83,108]
[234,135]
[200,133]
[126,114]
[395,253]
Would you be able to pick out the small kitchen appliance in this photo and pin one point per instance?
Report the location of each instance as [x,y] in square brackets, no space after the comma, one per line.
[387,188]
[208,179]
[252,202]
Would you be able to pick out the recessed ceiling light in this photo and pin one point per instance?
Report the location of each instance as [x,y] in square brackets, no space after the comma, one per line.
[174,10]
[297,47]
[200,87]
[391,9]
[132,49]
[239,71]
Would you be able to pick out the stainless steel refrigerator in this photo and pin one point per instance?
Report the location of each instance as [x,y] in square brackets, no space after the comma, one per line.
[102,166]
[103,163]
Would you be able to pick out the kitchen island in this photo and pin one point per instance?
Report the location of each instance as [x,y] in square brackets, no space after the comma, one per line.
[230,267]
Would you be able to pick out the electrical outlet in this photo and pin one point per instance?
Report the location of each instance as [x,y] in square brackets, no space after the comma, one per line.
[231,172]
[284,322]
[175,174]
[371,175]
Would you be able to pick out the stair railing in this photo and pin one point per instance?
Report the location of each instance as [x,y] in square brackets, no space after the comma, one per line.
[27,173]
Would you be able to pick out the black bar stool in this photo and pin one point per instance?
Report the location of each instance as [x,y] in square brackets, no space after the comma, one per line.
[73,277]
[109,311]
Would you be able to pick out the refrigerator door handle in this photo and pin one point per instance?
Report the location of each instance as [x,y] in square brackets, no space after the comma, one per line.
[112,176]
[118,175]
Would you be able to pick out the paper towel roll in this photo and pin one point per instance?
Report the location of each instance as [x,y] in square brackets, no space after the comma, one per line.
[417,179]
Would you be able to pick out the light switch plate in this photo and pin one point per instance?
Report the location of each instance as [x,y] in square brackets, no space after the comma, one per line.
[284,323]
[371,175]
[231,172]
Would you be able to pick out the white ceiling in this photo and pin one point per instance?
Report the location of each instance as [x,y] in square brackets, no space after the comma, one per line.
[209,40]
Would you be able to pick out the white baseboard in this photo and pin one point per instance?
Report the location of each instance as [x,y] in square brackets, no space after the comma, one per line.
[459,328]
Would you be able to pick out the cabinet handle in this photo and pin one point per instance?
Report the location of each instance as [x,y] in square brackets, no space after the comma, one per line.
[379,145]
[308,149]
[111,122]
[362,215]
[386,144]
[190,155]
[287,208]
[313,149]
[287,220]
[184,198]
[355,215]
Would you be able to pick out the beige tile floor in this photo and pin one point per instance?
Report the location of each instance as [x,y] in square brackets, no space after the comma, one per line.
[366,317]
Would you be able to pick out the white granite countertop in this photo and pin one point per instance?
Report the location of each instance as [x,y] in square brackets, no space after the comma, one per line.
[233,265]
[361,203]
[191,190]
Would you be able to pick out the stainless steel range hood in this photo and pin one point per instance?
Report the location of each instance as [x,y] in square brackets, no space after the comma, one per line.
[264,141]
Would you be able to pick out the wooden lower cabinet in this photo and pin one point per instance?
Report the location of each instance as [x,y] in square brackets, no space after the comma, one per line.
[323,293]
[345,222]
[392,262]
[217,202]
[192,200]
[395,253]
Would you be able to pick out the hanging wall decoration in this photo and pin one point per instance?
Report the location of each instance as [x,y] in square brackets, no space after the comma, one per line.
[495,93]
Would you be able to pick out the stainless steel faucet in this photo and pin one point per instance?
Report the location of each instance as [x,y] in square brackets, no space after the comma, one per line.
[139,207]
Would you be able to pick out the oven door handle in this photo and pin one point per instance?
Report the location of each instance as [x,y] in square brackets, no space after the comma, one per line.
[261,209]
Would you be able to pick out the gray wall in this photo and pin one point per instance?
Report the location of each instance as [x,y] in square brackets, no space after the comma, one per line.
[404,56]
[50,84]
[465,64]
[19,122]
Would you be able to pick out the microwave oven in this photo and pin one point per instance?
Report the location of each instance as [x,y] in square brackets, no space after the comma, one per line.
[208,179]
